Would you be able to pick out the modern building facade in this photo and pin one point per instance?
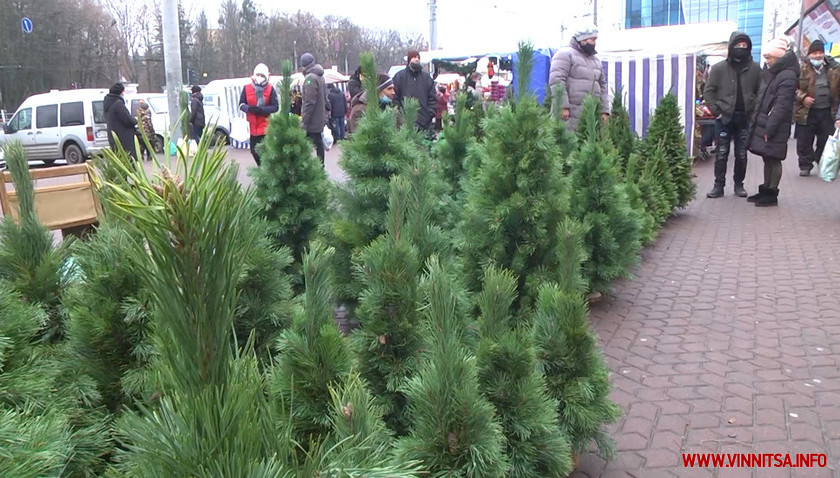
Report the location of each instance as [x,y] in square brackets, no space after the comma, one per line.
[748,14]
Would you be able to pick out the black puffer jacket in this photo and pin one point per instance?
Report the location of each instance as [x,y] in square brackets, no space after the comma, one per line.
[197,110]
[721,91]
[775,108]
[119,121]
[421,86]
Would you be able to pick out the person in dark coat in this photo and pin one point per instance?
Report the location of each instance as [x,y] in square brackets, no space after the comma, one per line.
[386,100]
[730,95]
[118,120]
[817,100]
[338,111]
[413,82]
[354,86]
[197,113]
[314,108]
[771,124]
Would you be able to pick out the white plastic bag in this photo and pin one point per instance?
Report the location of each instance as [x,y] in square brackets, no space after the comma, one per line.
[327,136]
[240,130]
[830,160]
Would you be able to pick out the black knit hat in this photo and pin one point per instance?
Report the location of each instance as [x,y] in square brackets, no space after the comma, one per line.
[116,89]
[196,89]
[816,45]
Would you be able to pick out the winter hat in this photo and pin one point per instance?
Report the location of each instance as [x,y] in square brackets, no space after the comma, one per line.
[411,54]
[585,32]
[306,59]
[196,89]
[816,45]
[775,48]
[261,69]
[384,81]
[116,89]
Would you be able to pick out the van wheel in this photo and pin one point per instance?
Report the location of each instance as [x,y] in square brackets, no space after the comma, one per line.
[73,154]
[220,138]
[157,144]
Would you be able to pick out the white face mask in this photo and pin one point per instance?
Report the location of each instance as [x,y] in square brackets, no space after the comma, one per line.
[816,63]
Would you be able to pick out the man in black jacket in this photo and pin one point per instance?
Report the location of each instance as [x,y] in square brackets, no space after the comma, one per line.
[338,111]
[413,82]
[118,120]
[197,113]
[731,93]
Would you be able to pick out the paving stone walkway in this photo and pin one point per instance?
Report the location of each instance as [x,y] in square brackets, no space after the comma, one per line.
[727,340]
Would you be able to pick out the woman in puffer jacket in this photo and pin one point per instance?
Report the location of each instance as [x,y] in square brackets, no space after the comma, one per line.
[771,124]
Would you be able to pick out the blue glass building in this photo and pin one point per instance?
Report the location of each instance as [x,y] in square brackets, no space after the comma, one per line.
[748,14]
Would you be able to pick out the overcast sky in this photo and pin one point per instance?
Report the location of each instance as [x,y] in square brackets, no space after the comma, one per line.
[462,24]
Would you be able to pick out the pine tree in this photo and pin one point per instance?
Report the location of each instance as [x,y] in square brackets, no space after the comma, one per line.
[390,337]
[508,377]
[666,134]
[29,262]
[313,355]
[600,202]
[517,199]
[619,132]
[655,184]
[291,187]
[638,201]
[574,369]
[566,140]
[454,430]
[451,151]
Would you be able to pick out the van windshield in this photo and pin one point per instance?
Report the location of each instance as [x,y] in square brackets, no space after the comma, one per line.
[98,112]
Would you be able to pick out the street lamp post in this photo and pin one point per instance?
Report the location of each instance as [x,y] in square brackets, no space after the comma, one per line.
[295,50]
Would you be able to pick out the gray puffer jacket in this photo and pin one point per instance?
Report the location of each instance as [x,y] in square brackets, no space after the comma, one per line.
[580,75]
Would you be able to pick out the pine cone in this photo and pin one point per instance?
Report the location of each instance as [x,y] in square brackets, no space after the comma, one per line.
[452,440]
[347,410]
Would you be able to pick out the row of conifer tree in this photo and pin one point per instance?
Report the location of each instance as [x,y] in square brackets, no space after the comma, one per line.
[193,333]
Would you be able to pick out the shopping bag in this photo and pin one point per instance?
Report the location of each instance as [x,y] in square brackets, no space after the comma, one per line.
[240,130]
[327,136]
[830,160]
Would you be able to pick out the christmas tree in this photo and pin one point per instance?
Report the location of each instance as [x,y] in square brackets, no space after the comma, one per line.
[516,200]
[599,201]
[666,134]
[644,205]
[313,355]
[508,377]
[390,337]
[29,262]
[451,151]
[291,187]
[454,430]
[566,140]
[655,182]
[619,132]
[574,369]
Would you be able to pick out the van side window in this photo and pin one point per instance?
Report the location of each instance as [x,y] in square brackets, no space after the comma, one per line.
[46,116]
[22,120]
[72,114]
[98,112]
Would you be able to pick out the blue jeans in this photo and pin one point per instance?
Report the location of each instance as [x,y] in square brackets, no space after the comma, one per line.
[737,129]
[338,129]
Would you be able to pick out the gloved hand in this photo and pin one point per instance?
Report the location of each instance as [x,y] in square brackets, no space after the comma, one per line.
[244,108]
[255,110]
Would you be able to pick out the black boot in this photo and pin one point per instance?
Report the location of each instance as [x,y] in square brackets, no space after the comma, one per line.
[770,198]
[740,191]
[716,192]
[762,190]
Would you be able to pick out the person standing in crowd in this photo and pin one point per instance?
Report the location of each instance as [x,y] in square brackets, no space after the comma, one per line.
[119,121]
[771,126]
[413,82]
[197,113]
[144,122]
[354,85]
[258,101]
[387,94]
[338,111]
[817,98]
[730,94]
[442,106]
[578,69]
[314,109]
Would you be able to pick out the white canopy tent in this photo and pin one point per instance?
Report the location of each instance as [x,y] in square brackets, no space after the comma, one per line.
[710,39]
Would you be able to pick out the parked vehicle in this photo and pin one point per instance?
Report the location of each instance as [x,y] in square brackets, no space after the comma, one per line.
[60,124]
[159,106]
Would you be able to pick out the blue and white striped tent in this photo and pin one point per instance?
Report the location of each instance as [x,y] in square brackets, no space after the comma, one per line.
[644,80]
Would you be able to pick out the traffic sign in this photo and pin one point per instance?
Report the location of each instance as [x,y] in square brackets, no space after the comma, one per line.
[26,25]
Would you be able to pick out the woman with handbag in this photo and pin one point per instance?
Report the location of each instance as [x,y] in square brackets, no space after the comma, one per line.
[771,124]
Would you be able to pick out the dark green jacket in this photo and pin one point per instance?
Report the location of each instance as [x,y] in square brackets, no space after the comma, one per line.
[720,92]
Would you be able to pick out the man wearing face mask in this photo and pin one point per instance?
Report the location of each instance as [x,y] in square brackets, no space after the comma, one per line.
[730,94]
[413,82]
[817,97]
[258,101]
[578,69]
[359,102]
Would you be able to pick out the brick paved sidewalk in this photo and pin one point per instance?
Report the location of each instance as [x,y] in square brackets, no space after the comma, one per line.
[728,338]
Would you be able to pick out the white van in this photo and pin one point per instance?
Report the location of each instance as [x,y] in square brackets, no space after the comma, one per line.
[60,124]
[159,107]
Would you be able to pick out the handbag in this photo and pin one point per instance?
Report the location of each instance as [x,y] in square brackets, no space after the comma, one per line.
[830,160]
